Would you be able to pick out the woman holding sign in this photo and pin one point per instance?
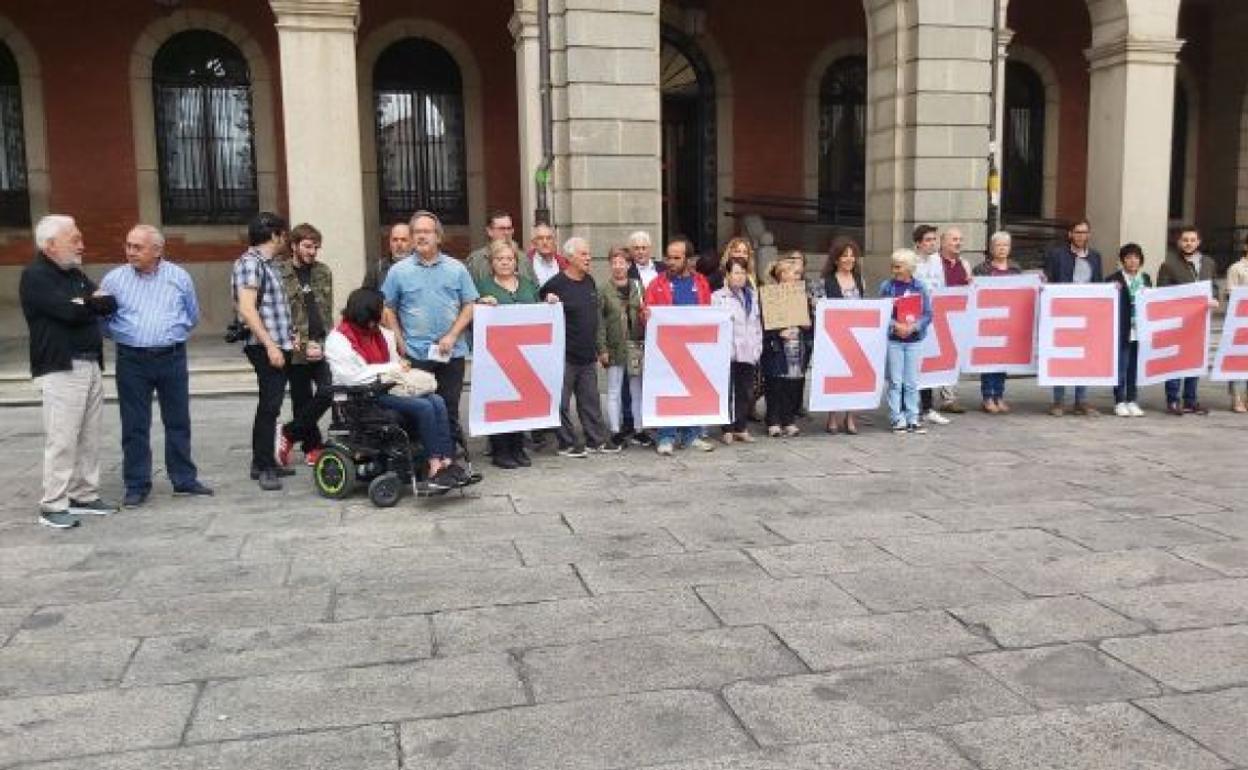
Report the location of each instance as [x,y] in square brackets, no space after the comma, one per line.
[786,351]
[1131,280]
[1237,276]
[992,384]
[842,279]
[739,296]
[912,314]
[505,286]
[622,300]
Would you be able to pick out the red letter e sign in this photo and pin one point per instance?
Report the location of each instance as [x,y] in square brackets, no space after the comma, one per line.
[1231,362]
[517,368]
[1173,327]
[1079,334]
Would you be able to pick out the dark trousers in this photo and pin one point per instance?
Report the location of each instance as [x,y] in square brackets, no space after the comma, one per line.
[742,395]
[991,385]
[139,372]
[1188,385]
[784,396]
[450,375]
[271,384]
[626,408]
[308,407]
[506,444]
[426,420]
[1128,359]
[580,381]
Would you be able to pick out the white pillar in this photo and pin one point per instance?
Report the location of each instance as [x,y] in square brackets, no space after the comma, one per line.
[322,130]
[1129,137]
[1004,37]
[524,31]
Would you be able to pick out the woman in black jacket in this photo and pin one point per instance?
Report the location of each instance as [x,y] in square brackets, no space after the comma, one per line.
[1131,279]
[842,279]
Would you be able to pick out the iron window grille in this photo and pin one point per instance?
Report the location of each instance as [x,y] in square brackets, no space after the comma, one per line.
[843,140]
[14,185]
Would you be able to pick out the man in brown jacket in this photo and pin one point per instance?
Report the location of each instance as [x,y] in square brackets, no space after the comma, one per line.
[1188,265]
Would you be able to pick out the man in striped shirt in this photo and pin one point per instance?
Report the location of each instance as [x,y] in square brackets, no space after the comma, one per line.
[156,311]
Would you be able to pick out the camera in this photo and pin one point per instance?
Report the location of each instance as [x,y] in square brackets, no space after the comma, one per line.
[236,332]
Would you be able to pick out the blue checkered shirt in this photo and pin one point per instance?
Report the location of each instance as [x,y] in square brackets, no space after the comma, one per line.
[273,305]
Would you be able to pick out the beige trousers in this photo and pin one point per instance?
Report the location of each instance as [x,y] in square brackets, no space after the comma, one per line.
[73,402]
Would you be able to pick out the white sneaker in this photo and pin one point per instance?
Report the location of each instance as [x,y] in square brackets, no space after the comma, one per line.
[702,445]
[665,448]
[1134,409]
[936,418]
[1122,409]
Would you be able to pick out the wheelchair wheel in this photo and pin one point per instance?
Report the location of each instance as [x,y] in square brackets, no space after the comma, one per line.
[334,474]
[385,490]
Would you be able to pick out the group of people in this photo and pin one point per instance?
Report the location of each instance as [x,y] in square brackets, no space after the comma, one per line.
[409,323]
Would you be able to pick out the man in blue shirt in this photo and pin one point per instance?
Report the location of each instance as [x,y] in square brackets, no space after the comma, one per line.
[429,301]
[156,311]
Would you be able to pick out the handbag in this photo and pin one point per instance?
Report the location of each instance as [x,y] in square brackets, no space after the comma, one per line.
[412,382]
[636,357]
[236,330]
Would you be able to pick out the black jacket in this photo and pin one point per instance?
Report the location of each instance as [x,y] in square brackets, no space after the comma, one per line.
[1059,265]
[832,287]
[60,327]
[1126,305]
[1176,270]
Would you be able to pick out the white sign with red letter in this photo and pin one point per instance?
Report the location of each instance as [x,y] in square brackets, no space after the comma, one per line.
[1231,361]
[1003,321]
[517,368]
[1173,326]
[1078,334]
[686,374]
[851,350]
[948,336]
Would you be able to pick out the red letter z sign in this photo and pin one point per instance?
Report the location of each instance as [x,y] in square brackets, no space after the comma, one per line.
[533,399]
[701,396]
[851,343]
[517,373]
[685,377]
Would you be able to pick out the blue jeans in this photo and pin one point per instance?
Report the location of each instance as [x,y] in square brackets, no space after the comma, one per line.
[680,436]
[992,385]
[1128,358]
[139,372]
[1059,394]
[427,417]
[903,377]
[1188,384]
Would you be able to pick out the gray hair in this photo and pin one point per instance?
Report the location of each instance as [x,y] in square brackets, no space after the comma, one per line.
[51,226]
[437,223]
[157,237]
[639,238]
[1000,236]
[575,244]
[905,258]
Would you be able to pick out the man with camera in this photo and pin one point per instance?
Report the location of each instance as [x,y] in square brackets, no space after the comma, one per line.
[268,341]
[309,287]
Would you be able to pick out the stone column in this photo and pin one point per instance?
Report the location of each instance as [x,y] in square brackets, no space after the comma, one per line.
[1004,37]
[524,31]
[1129,133]
[322,129]
[605,69]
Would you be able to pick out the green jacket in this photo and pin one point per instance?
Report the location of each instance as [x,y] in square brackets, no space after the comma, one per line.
[525,294]
[621,321]
[478,263]
[321,284]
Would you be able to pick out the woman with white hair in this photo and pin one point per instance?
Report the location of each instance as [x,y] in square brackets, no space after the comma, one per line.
[912,314]
[998,263]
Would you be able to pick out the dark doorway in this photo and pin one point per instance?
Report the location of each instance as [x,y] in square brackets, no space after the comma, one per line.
[689,163]
[1022,191]
[843,141]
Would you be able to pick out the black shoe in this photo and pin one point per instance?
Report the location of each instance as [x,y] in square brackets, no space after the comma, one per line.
[642,439]
[538,439]
[269,481]
[504,460]
[1195,408]
[522,458]
[58,519]
[195,489]
[96,507]
[279,472]
[450,477]
[609,448]
[571,451]
[134,498]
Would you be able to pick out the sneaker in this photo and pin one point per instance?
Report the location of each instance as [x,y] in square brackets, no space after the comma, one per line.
[522,458]
[621,438]
[773,431]
[744,437]
[952,407]
[571,451]
[1196,409]
[702,445]
[279,472]
[312,455]
[134,498]
[194,489]
[58,519]
[665,448]
[1122,410]
[916,429]
[269,481]
[1174,409]
[936,418]
[1084,410]
[282,446]
[96,507]
[609,448]
[728,437]
[1135,409]
[792,430]
[642,439]
[899,428]
[504,460]
[445,479]
[1057,410]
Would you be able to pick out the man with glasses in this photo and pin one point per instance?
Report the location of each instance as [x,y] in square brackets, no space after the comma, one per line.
[544,257]
[1075,262]
[499,228]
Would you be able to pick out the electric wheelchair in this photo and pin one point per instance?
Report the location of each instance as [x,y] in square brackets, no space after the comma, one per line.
[367,444]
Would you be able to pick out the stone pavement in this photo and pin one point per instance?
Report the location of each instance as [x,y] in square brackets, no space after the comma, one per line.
[1005,593]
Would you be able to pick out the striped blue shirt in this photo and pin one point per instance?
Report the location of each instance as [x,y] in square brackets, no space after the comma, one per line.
[155,309]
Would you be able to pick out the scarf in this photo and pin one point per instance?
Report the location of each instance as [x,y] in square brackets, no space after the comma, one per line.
[369,343]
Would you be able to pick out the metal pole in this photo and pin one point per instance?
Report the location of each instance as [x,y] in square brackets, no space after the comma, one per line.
[994,173]
[542,176]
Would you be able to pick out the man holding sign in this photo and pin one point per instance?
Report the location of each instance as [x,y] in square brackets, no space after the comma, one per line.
[1073,263]
[1188,266]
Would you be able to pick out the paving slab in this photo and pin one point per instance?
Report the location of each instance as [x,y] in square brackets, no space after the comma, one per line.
[11,619]
[777,601]
[1231,523]
[22,560]
[914,588]
[1097,571]
[1188,660]
[689,660]
[63,587]
[1231,559]
[971,547]
[1039,512]
[1107,737]
[1214,719]
[371,565]
[569,621]
[48,669]
[1046,621]
[602,734]
[56,726]
[821,558]
[455,589]
[851,526]
[155,551]
[1137,533]
[803,709]
[671,571]
[596,547]
[364,748]
[347,697]
[897,750]
[242,652]
[1066,675]
[1184,605]
[206,577]
[892,638]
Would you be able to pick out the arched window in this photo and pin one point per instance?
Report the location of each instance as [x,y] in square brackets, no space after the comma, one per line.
[1178,153]
[1022,179]
[843,140]
[205,139]
[419,99]
[14,188]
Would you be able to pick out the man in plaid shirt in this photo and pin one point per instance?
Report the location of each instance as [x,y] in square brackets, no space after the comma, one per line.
[262,304]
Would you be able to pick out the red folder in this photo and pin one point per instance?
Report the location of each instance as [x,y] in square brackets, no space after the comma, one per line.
[907,309]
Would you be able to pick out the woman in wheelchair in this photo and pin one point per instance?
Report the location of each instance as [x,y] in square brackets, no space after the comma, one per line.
[360,351]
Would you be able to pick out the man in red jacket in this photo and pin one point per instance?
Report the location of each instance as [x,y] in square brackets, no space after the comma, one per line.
[680,285]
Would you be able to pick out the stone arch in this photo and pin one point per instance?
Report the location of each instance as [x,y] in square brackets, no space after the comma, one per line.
[810,110]
[34,124]
[1052,120]
[143,117]
[474,121]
